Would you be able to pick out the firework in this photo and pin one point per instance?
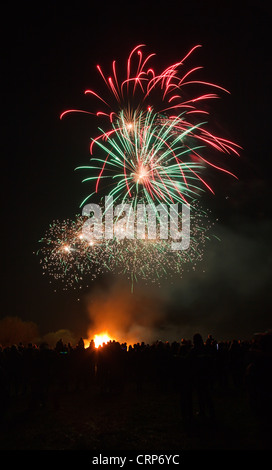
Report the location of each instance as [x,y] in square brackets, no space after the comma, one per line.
[153,259]
[144,139]
[68,257]
[152,148]
[142,89]
[151,160]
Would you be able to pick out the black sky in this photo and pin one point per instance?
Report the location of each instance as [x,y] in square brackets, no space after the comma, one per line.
[49,57]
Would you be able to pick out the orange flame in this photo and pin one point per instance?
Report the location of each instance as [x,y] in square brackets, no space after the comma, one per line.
[99,340]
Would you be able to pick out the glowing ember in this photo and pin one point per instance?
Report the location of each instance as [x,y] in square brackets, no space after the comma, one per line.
[141,175]
[67,248]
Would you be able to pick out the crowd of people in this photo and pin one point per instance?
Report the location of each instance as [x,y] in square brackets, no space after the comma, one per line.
[192,368]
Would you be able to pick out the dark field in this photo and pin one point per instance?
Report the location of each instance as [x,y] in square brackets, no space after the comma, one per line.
[110,400]
[130,421]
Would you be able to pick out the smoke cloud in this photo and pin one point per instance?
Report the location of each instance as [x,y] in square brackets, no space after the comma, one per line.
[13,330]
[228,295]
[127,317]
[53,337]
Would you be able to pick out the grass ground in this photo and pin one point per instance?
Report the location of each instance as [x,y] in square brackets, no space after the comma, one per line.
[130,420]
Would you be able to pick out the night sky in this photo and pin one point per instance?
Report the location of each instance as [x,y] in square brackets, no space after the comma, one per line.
[49,57]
